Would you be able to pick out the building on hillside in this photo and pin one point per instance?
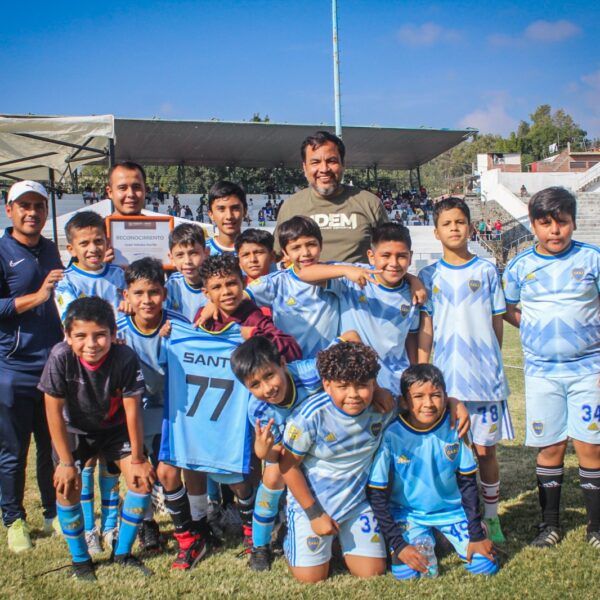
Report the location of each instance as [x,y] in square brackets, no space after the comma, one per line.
[567,162]
[508,162]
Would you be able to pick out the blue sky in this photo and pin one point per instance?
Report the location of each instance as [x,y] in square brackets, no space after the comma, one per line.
[403,63]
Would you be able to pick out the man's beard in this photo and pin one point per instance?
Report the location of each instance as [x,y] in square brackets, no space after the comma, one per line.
[330,190]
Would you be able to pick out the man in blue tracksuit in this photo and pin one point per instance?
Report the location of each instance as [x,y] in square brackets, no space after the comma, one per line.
[30,266]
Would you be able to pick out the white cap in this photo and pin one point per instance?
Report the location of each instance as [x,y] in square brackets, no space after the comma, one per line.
[26,187]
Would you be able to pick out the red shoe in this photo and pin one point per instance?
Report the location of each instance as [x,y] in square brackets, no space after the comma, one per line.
[246,541]
[192,549]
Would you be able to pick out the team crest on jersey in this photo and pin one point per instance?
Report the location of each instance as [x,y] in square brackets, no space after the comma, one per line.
[330,437]
[592,427]
[290,301]
[313,542]
[494,428]
[362,298]
[404,309]
[294,433]
[436,289]
[577,274]
[538,427]
[403,460]
[451,450]
[474,285]
[376,429]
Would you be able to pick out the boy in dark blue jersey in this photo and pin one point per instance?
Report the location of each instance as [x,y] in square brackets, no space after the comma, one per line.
[92,393]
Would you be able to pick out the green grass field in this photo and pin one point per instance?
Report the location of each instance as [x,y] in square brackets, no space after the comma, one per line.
[572,570]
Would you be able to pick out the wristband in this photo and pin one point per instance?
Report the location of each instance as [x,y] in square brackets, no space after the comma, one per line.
[314,511]
[66,465]
[137,462]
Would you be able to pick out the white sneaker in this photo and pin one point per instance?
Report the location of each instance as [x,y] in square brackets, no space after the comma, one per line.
[109,538]
[92,539]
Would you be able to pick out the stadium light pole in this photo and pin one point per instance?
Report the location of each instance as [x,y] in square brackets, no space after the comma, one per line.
[336,71]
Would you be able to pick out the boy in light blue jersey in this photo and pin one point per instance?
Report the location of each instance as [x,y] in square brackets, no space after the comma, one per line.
[376,300]
[424,478]
[307,312]
[329,443]
[227,207]
[145,294]
[462,319]
[89,276]
[187,251]
[556,283]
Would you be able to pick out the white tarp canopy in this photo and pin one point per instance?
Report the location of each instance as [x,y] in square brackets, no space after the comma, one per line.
[31,146]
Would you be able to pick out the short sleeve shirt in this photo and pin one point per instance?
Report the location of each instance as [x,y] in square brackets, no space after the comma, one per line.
[93,394]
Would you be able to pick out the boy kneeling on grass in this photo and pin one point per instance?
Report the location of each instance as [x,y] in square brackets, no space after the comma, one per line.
[92,393]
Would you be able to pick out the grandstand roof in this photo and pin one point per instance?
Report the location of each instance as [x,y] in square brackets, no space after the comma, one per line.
[249,144]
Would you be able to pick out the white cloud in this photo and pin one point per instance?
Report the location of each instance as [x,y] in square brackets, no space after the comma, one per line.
[426,34]
[546,32]
[492,118]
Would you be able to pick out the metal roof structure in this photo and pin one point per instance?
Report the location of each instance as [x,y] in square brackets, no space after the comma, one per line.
[250,144]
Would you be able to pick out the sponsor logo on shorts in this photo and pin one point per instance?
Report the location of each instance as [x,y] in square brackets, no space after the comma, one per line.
[537,427]
[404,309]
[577,274]
[451,450]
[376,429]
[375,539]
[313,542]
[494,428]
[592,427]
[474,285]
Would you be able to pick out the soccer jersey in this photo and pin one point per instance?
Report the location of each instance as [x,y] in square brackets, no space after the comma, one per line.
[420,467]
[560,311]
[93,393]
[150,348]
[383,317]
[337,451]
[305,311]
[462,299]
[182,297]
[108,283]
[305,381]
[215,248]
[205,426]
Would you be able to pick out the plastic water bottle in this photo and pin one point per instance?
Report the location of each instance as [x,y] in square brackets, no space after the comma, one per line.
[426,547]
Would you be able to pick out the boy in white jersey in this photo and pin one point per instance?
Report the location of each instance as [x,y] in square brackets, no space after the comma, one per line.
[187,251]
[307,312]
[329,443]
[462,319]
[556,283]
[424,478]
[89,276]
[227,207]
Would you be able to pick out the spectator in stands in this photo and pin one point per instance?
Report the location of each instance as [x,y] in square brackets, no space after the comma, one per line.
[498,229]
[489,230]
[346,215]
[524,192]
[481,229]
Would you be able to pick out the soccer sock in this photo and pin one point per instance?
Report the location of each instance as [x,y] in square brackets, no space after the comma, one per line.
[178,506]
[589,482]
[266,508]
[87,497]
[549,486]
[109,491]
[198,506]
[213,489]
[71,522]
[491,494]
[134,506]
[246,508]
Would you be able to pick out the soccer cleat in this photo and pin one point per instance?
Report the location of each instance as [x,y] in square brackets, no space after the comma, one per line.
[203,528]
[593,539]
[548,536]
[92,539]
[192,549]
[230,519]
[128,560]
[246,541]
[84,571]
[52,526]
[494,530]
[149,536]
[18,537]
[260,559]
[109,538]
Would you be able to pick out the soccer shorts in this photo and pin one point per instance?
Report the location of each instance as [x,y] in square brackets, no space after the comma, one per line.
[111,445]
[359,535]
[490,422]
[456,532]
[561,407]
[227,478]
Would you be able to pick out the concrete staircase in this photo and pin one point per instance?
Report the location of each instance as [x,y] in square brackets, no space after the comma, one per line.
[588,218]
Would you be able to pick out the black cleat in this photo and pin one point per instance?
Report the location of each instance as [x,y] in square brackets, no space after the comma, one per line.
[128,560]
[212,540]
[593,539]
[149,536]
[548,536]
[84,571]
[260,559]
